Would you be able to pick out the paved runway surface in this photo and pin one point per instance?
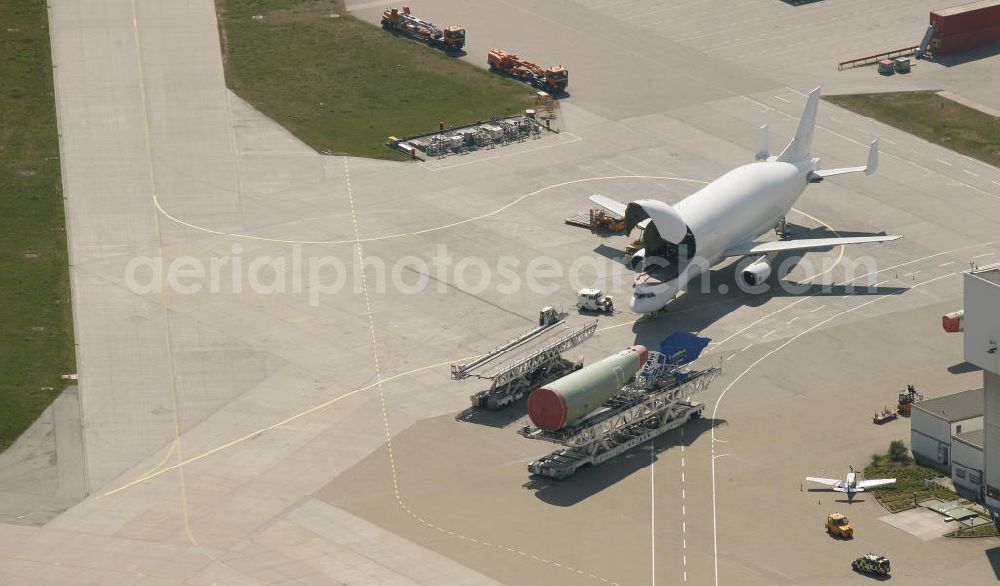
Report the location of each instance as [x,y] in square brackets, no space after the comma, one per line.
[306,436]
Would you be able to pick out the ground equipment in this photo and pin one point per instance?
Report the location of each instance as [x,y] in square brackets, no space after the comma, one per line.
[554,79]
[526,362]
[884,416]
[870,563]
[633,247]
[906,400]
[401,22]
[954,321]
[656,401]
[598,220]
[837,524]
[594,300]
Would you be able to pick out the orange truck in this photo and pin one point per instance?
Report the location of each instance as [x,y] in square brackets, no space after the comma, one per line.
[401,22]
[553,80]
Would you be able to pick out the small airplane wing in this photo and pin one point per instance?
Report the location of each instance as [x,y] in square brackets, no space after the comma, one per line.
[866,484]
[828,481]
[806,244]
[609,204]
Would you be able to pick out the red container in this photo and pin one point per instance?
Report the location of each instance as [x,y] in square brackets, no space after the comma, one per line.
[958,43]
[952,322]
[965,18]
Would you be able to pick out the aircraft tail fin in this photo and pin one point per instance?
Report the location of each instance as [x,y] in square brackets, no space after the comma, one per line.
[801,145]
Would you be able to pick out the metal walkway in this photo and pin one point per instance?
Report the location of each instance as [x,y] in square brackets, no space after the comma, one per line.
[534,358]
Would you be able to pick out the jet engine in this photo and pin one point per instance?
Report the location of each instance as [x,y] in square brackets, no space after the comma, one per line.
[757,272]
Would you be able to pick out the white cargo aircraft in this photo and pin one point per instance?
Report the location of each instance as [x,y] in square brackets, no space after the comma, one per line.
[852,484]
[724,218]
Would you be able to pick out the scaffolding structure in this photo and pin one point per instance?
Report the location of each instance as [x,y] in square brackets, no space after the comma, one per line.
[533,359]
[657,401]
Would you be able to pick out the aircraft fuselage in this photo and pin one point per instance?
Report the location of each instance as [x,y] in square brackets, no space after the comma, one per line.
[734,209]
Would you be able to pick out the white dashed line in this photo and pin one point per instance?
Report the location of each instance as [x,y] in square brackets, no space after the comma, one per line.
[684,507]
[793,319]
[986,254]
[887,140]
[946,263]
[944,162]
[746,348]
[817,309]
[995,182]
[970,173]
[652,509]
[767,334]
[782,99]
[381,395]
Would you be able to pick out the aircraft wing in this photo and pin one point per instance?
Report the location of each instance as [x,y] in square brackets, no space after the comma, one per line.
[828,481]
[806,244]
[866,484]
[613,206]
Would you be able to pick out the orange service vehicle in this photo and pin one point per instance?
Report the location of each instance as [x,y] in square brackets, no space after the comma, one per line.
[553,80]
[401,22]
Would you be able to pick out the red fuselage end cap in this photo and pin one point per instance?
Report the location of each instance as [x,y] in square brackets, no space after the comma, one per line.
[547,408]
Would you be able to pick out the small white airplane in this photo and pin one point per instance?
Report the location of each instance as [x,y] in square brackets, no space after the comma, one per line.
[724,218]
[852,484]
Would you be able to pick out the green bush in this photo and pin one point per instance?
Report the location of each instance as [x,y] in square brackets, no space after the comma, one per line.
[898,451]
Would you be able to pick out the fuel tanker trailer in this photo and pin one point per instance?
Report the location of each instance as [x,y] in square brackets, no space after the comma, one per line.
[567,400]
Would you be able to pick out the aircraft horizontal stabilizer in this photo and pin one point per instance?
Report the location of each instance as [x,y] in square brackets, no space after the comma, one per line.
[808,244]
[868,169]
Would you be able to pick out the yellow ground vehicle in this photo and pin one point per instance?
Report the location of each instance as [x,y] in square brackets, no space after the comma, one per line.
[838,525]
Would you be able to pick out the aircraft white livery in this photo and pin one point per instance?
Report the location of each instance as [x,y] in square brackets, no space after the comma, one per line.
[724,218]
[852,484]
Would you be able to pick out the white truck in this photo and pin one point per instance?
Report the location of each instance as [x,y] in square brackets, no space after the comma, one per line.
[594,300]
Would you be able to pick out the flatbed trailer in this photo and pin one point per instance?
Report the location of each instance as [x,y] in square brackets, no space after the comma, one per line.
[526,362]
[634,416]
[563,463]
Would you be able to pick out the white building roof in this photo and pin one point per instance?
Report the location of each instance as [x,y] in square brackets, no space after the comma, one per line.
[956,407]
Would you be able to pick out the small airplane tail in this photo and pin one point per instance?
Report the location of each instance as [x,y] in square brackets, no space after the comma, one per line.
[801,144]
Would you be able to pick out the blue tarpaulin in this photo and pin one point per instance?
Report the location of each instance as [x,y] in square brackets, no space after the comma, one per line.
[681,348]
